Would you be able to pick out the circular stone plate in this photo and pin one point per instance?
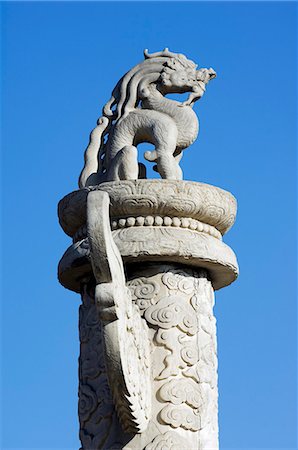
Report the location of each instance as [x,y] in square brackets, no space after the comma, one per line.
[203,202]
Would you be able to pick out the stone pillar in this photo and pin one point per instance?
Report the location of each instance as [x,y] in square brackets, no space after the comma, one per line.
[161,392]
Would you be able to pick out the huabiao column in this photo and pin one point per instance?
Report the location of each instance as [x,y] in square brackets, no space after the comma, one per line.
[147,256]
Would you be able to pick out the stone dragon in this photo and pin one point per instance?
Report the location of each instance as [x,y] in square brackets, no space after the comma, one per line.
[138,111]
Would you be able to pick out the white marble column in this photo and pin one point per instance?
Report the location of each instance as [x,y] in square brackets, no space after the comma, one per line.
[169,236]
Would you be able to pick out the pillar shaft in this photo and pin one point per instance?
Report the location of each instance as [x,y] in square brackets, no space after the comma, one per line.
[177,304]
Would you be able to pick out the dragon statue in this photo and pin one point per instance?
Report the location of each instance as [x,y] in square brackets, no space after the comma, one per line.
[138,111]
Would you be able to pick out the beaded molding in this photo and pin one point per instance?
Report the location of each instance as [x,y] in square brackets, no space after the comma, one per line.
[156,221]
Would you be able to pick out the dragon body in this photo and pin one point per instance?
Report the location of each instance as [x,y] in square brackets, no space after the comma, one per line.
[138,112]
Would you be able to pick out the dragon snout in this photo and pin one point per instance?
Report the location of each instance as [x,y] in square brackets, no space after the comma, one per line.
[205,75]
[212,73]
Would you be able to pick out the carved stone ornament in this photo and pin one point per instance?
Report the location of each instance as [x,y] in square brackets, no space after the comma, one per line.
[155,220]
[125,332]
[138,111]
[146,257]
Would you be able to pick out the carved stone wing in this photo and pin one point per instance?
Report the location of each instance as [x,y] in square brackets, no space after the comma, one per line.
[125,332]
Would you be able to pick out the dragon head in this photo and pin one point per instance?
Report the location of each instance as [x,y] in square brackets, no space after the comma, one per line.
[169,72]
[180,75]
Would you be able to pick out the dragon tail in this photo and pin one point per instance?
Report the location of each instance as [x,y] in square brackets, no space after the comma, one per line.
[92,165]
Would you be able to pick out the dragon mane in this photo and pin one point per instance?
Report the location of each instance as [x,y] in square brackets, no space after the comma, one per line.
[125,96]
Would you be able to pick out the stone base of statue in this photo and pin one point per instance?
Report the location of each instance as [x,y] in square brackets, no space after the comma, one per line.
[146,258]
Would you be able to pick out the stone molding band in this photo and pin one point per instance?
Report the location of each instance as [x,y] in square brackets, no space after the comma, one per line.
[156,221]
[156,244]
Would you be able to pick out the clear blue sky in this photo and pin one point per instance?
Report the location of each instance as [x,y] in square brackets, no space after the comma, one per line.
[60,62]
